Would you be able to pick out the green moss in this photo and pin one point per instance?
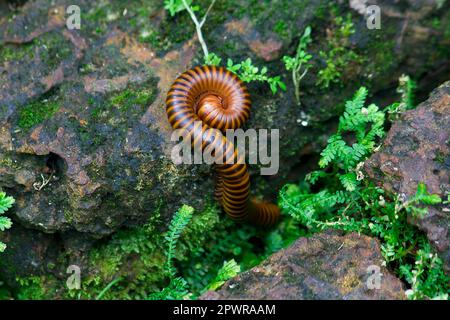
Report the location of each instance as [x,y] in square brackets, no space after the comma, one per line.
[179,28]
[53,49]
[281,29]
[137,256]
[36,112]
[31,288]
[7,161]
[129,97]
[440,157]
[97,18]
[155,39]
[119,110]
[68,216]
[133,259]
[132,254]
[340,55]
[323,10]
[5,293]
[97,14]
[16,53]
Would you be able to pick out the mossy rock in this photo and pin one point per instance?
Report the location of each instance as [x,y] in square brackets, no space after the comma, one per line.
[85,142]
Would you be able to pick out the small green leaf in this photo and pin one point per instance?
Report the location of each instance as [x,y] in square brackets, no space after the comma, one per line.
[175,6]
[228,271]
[5,223]
[5,202]
[212,59]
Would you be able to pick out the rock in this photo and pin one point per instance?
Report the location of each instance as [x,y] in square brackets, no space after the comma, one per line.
[267,50]
[415,150]
[84,140]
[327,265]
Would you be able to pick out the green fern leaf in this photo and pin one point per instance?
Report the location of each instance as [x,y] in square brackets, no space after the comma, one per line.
[5,223]
[5,202]
[228,271]
[335,148]
[313,176]
[176,290]
[349,181]
[342,197]
[179,222]
[422,196]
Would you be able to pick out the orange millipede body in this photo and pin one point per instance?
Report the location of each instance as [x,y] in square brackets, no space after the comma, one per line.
[219,99]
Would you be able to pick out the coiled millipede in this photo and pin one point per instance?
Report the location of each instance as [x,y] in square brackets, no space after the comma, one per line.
[219,99]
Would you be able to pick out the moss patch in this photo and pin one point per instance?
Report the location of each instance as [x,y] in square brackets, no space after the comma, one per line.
[129,97]
[137,257]
[340,55]
[31,288]
[53,49]
[36,112]
[16,53]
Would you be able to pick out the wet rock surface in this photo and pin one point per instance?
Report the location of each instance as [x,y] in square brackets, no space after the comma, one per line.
[325,266]
[416,150]
[84,140]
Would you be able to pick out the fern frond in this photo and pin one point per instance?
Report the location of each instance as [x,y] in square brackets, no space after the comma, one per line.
[229,270]
[313,176]
[354,155]
[359,98]
[334,149]
[349,202]
[342,196]
[5,222]
[179,222]
[176,290]
[423,196]
[355,105]
[5,202]
[308,205]
[349,181]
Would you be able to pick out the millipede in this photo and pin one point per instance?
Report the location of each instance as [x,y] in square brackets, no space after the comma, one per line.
[219,99]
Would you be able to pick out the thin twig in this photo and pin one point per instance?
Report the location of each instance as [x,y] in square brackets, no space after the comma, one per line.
[206,14]
[198,25]
[39,186]
[192,14]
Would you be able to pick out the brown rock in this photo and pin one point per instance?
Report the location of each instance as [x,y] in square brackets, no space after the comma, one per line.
[268,50]
[324,266]
[416,150]
[25,178]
